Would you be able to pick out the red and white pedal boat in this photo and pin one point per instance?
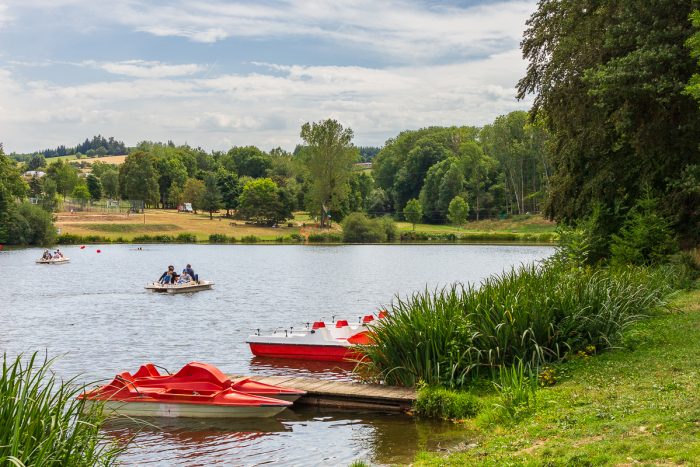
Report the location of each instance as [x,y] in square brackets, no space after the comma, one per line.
[197,390]
[336,342]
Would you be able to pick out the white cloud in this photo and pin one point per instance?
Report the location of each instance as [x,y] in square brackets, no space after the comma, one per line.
[265,108]
[147,69]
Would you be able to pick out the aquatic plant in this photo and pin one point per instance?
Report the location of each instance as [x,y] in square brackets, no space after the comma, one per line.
[42,422]
[438,402]
[536,314]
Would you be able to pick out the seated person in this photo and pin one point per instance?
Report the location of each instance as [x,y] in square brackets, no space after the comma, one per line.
[46,255]
[169,276]
[184,278]
[190,271]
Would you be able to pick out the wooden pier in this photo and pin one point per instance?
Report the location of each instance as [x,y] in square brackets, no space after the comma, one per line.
[343,395]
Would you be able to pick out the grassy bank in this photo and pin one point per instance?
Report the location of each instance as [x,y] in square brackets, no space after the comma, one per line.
[42,422]
[639,403]
[157,224]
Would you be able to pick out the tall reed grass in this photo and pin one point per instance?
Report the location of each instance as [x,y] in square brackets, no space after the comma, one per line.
[535,314]
[43,424]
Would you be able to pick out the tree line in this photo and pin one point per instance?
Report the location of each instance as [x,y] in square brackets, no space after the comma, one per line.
[96,147]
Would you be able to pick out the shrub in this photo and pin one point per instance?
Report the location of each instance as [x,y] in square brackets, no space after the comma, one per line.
[154,239]
[358,228]
[295,237]
[186,238]
[28,224]
[325,238]
[42,422]
[517,388]
[69,239]
[250,239]
[218,238]
[436,402]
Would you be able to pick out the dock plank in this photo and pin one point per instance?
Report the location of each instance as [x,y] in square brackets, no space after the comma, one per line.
[341,394]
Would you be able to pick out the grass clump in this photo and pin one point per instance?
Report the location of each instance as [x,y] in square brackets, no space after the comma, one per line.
[534,314]
[42,422]
[438,402]
[186,238]
[325,238]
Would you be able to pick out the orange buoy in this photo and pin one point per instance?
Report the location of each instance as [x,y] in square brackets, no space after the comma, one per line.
[82,247]
[99,251]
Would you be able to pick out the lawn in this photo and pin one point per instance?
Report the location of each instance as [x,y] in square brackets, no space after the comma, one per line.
[168,222]
[639,404]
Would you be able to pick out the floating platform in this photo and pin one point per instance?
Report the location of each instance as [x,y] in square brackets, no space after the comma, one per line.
[343,395]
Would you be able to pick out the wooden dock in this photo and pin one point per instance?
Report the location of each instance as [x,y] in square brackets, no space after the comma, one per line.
[342,395]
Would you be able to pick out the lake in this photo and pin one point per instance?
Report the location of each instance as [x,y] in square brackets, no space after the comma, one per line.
[95,315]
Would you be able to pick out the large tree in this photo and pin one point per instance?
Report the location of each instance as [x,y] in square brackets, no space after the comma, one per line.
[138,178]
[65,176]
[609,78]
[329,160]
[211,198]
[260,201]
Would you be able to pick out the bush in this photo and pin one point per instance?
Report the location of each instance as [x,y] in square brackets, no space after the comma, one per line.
[218,238]
[42,421]
[186,238]
[358,228]
[325,238]
[154,239]
[29,224]
[436,402]
[250,239]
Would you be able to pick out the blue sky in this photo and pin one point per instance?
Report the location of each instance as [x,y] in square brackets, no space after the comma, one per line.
[218,74]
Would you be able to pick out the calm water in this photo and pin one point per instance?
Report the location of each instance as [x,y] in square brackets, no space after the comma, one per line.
[95,314]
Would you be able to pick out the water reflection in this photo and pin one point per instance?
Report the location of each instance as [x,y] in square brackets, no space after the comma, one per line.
[336,371]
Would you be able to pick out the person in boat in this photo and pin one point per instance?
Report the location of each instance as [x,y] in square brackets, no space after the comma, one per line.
[190,271]
[184,278]
[46,255]
[169,276]
[57,254]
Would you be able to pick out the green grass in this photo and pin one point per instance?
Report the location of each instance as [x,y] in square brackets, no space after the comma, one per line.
[638,404]
[41,421]
[534,314]
[124,228]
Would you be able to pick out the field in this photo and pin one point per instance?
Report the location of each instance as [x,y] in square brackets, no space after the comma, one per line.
[637,405]
[526,224]
[169,222]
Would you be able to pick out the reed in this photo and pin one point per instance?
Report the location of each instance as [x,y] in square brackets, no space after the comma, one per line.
[42,422]
[535,314]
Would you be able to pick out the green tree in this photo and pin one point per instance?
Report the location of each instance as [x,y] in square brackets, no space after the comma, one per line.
[693,44]
[248,161]
[81,193]
[64,175]
[609,79]
[36,162]
[413,212]
[29,225]
[49,196]
[329,163]
[94,186]
[230,189]
[211,198]
[110,182]
[194,193]
[171,171]
[458,211]
[260,202]
[138,178]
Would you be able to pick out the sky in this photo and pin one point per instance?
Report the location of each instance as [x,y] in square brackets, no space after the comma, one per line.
[218,74]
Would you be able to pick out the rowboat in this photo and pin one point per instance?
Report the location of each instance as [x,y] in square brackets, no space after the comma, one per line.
[198,390]
[187,287]
[62,260]
[336,342]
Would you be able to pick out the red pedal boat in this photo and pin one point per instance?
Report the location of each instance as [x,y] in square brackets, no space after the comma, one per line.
[335,342]
[197,390]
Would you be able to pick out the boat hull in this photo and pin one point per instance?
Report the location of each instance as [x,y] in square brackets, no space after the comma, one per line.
[172,410]
[330,353]
[180,288]
[53,261]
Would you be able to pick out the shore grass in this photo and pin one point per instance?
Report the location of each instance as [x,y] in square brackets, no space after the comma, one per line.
[42,422]
[636,404]
[524,224]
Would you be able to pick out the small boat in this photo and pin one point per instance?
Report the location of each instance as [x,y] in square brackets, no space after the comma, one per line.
[337,342]
[187,287]
[61,260]
[148,376]
[198,390]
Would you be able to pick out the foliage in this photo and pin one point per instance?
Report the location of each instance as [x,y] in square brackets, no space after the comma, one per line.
[413,212]
[43,423]
[211,198]
[138,178]
[646,237]
[28,224]
[536,314]
[325,238]
[437,402]
[261,201]
[517,393]
[248,161]
[193,193]
[81,193]
[329,161]
[94,187]
[64,175]
[358,228]
[609,79]
[458,210]
[693,44]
